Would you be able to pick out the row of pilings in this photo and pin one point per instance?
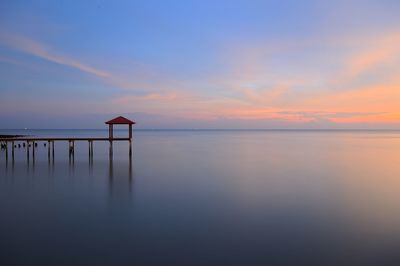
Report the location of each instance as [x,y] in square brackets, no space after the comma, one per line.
[31,145]
[28,146]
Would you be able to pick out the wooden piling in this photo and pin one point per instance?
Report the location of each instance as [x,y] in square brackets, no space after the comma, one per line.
[6,151]
[92,148]
[69,149]
[12,150]
[73,150]
[90,156]
[33,150]
[27,150]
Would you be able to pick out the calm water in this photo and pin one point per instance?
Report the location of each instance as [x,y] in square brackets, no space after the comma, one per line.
[206,198]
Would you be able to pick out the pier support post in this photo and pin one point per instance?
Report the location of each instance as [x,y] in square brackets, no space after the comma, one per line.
[48,150]
[33,150]
[12,150]
[110,169]
[91,148]
[111,149]
[130,148]
[52,146]
[130,166]
[69,152]
[73,151]
[71,148]
[6,150]
[27,150]
[90,157]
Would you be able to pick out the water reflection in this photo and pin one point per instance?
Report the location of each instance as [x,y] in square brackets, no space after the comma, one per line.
[118,174]
[90,163]
[232,198]
[118,183]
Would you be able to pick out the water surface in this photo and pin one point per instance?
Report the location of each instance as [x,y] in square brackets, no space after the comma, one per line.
[205,198]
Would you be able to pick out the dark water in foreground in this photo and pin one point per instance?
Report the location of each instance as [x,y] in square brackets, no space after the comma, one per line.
[206,198]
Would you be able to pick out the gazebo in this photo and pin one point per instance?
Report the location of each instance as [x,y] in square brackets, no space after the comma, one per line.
[120,120]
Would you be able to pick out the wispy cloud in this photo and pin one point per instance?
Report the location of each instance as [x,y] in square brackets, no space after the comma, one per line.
[370,54]
[262,84]
[251,87]
[36,48]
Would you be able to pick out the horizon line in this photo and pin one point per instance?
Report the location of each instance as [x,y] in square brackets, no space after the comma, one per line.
[218,129]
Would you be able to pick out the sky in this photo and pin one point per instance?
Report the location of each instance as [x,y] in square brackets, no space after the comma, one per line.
[307,64]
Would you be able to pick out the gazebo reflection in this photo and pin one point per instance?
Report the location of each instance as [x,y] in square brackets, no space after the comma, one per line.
[120,177]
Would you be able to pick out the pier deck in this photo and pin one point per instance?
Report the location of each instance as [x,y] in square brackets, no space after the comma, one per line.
[60,139]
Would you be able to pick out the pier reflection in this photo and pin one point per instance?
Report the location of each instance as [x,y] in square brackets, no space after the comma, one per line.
[104,171]
[120,177]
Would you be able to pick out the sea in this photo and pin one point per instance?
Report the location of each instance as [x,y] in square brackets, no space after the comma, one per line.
[204,197]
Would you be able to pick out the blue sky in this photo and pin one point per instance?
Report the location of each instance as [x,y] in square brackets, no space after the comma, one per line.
[206,64]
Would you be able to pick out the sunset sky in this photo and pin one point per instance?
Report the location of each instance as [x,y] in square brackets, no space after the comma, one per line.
[200,64]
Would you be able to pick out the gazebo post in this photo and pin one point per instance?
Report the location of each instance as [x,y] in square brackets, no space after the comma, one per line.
[130,131]
[110,131]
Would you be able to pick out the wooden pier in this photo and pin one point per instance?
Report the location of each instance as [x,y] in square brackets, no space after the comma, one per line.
[32,142]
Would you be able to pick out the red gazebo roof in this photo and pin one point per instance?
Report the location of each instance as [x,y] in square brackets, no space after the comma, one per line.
[120,120]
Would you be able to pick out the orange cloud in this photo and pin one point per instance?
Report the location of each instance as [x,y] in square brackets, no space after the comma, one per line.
[386,118]
[371,53]
[252,88]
